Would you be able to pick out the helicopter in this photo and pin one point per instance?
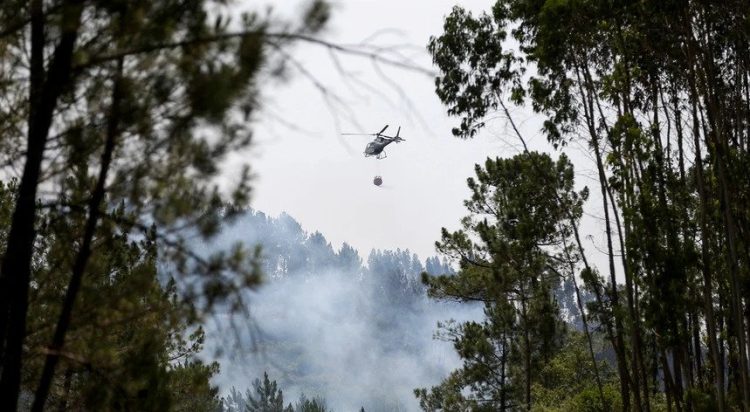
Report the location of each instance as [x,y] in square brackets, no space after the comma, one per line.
[377,146]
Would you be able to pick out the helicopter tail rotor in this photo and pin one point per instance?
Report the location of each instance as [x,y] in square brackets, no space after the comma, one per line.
[397,138]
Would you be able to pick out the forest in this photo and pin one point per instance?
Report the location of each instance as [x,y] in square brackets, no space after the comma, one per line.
[135,276]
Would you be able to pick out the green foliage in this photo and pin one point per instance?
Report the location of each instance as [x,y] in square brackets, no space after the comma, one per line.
[474,64]
[568,382]
[658,93]
[506,251]
[127,347]
[304,404]
[123,111]
[266,396]
[190,387]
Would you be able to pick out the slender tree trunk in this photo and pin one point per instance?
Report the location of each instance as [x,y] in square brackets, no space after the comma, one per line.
[584,319]
[636,338]
[698,378]
[693,351]
[670,233]
[503,360]
[619,330]
[526,353]
[717,139]
[735,287]
[599,299]
[711,331]
[79,266]
[16,264]
[36,81]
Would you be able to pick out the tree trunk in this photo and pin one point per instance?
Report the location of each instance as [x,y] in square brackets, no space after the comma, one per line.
[79,266]
[711,331]
[16,264]
[619,347]
[584,319]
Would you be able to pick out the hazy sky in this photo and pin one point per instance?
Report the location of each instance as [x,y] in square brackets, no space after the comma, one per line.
[322,178]
[305,167]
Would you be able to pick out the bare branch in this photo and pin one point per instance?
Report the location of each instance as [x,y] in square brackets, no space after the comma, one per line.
[379,57]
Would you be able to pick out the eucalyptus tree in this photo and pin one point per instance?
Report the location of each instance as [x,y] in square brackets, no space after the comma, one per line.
[658,92]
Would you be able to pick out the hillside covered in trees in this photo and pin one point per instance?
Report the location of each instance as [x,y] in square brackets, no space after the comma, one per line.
[327,323]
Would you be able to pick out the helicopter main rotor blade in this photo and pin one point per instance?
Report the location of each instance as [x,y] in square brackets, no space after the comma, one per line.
[386,126]
[357,134]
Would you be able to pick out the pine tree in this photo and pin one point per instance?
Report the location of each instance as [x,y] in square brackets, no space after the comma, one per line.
[128,345]
[506,252]
[126,111]
[267,398]
[348,261]
[305,404]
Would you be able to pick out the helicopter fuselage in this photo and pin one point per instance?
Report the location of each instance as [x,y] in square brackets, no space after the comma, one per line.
[375,147]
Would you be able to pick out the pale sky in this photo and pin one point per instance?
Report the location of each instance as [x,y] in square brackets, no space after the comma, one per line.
[322,178]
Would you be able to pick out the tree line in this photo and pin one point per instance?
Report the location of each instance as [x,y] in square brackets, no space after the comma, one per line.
[288,251]
[266,396]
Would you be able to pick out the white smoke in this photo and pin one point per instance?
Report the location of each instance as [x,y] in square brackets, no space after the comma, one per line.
[333,335]
[359,339]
